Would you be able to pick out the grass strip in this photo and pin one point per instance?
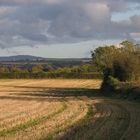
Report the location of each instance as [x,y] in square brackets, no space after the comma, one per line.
[31,122]
[80,122]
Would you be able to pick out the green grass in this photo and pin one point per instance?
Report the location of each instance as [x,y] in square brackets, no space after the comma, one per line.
[80,122]
[31,122]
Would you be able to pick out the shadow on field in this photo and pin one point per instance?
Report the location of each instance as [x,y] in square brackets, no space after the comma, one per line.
[48,93]
[64,92]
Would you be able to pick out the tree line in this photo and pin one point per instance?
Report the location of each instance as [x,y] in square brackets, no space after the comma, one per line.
[112,63]
[117,63]
[86,71]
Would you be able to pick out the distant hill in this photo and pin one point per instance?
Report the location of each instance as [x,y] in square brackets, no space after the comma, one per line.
[36,58]
[23,61]
[21,58]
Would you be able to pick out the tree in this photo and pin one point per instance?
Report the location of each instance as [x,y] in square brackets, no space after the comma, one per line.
[4,70]
[103,57]
[38,68]
[122,63]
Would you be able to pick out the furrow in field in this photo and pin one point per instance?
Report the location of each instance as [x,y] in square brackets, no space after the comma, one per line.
[116,125]
[132,133]
[109,122]
[16,107]
[8,103]
[30,113]
[88,130]
[13,133]
[73,112]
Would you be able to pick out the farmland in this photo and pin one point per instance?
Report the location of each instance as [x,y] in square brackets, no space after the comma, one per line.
[64,109]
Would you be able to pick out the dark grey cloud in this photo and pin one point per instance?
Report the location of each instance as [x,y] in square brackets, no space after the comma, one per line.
[24,22]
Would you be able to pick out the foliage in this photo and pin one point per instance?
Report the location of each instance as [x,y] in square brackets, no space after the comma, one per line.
[123,62]
[114,82]
[103,57]
[40,71]
[117,64]
[83,71]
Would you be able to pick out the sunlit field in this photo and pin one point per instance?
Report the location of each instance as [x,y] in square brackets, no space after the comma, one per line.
[63,109]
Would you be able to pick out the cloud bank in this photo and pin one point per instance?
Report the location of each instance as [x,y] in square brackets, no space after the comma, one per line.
[31,22]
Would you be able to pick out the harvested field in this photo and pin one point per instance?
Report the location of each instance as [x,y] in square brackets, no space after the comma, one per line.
[64,110]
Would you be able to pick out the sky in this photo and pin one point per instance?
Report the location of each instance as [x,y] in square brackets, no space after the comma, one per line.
[66,28]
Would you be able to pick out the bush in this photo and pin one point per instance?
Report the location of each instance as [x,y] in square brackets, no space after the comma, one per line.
[114,82]
[110,84]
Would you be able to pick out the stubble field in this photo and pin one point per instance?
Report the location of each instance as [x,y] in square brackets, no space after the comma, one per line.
[64,110]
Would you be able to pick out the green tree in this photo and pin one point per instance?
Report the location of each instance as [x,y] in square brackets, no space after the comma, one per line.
[103,57]
[122,62]
[36,69]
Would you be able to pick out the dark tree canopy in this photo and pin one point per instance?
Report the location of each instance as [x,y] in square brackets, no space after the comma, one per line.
[121,62]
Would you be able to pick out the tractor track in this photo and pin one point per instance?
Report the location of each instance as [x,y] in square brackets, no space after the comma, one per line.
[112,120]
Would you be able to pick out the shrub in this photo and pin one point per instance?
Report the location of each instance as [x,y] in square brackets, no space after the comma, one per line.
[114,82]
[110,84]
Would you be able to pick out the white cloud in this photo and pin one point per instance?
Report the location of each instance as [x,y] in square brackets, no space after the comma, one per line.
[98,12]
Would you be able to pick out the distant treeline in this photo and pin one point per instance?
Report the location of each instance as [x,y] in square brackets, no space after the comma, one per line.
[86,71]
